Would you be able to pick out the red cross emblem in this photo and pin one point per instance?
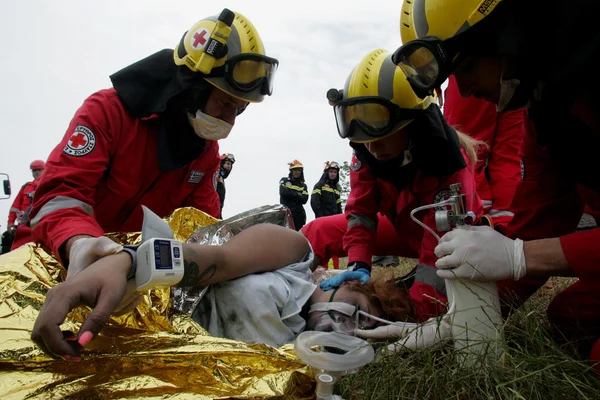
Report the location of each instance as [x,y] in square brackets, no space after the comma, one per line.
[78,140]
[199,38]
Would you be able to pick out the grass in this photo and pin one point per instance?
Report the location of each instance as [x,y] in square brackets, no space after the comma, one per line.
[531,367]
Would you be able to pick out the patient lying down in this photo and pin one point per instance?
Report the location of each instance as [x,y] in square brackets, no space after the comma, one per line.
[260,290]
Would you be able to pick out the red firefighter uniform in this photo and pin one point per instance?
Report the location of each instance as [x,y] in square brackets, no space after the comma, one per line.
[498,170]
[548,203]
[106,168]
[22,202]
[396,234]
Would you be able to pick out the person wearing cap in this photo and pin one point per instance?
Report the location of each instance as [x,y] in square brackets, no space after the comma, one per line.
[19,209]
[325,198]
[506,52]
[226,165]
[151,139]
[293,193]
[405,156]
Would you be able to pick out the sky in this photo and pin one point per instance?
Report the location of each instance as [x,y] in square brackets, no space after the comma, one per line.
[58,53]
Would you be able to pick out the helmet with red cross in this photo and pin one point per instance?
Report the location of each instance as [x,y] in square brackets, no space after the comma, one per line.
[228,50]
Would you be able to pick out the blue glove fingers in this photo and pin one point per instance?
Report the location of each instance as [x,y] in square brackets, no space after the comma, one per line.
[360,275]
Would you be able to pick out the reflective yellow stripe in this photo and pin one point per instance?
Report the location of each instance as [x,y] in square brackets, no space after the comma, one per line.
[316,191]
[298,188]
[339,200]
[332,190]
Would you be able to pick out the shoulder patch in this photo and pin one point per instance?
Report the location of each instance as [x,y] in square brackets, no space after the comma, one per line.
[81,142]
[195,176]
[356,164]
[441,196]
[282,181]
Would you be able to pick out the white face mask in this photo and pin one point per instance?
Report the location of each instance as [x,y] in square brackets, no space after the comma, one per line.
[208,127]
[508,89]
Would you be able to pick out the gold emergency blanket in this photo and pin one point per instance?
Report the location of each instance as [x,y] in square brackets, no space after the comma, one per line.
[154,352]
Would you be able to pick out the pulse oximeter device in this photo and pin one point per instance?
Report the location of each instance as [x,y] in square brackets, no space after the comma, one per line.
[159,264]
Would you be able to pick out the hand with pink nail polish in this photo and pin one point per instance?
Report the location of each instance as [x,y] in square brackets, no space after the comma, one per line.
[101,286]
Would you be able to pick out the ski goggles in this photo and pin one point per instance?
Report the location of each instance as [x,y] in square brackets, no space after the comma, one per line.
[427,62]
[367,119]
[230,157]
[251,72]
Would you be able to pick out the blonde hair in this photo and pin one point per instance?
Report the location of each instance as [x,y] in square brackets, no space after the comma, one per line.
[470,146]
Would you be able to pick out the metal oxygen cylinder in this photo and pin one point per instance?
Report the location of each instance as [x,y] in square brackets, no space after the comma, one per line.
[476,319]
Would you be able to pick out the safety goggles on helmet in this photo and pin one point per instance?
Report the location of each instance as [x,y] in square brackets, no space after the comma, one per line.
[427,62]
[366,119]
[249,72]
[332,164]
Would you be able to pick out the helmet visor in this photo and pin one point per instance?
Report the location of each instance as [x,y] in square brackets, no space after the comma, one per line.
[251,72]
[365,119]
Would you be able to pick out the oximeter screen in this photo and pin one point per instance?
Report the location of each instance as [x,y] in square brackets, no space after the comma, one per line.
[162,252]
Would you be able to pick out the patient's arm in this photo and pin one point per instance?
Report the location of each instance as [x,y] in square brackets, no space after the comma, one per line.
[103,284]
[260,248]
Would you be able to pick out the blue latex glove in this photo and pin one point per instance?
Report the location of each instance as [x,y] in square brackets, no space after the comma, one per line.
[361,274]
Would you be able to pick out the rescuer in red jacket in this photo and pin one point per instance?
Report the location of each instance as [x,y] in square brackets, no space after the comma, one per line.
[405,156]
[498,168]
[20,207]
[150,140]
[505,52]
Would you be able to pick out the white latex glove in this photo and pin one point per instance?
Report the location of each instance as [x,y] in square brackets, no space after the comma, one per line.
[385,332]
[87,251]
[480,253]
[422,337]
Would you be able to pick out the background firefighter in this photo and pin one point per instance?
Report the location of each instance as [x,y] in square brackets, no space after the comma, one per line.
[325,199]
[227,161]
[293,193]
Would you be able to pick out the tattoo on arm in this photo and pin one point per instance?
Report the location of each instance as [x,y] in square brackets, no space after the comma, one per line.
[194,276]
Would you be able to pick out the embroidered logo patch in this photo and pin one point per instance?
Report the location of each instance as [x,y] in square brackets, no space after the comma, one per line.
[215,178]
[356,164]
[195,176]
[441,196]
[81,142]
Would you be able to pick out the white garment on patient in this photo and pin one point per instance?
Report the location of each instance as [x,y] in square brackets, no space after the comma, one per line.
[259,308]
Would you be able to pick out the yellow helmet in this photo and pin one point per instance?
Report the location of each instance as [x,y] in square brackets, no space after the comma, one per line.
[295,164]
[376,101]
[441,18]
[228,50]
